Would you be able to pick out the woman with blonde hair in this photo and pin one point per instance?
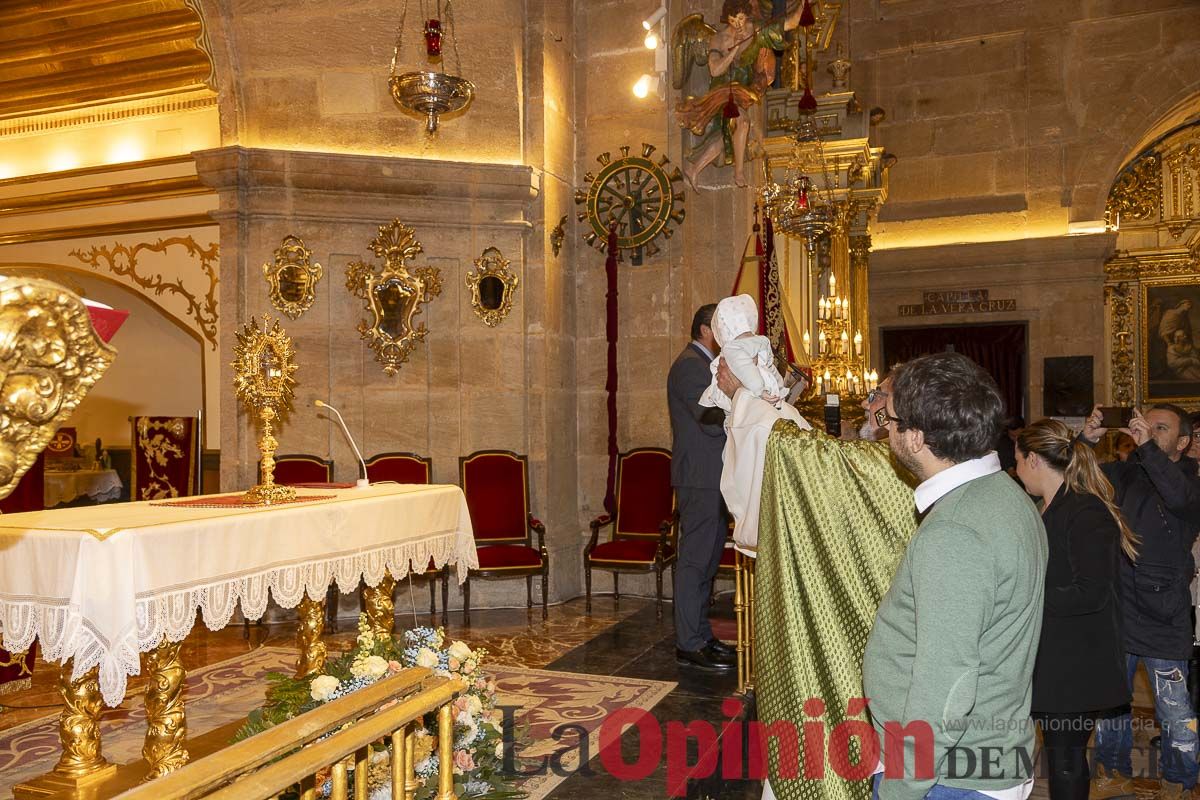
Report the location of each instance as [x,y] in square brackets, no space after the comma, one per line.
[1079,675]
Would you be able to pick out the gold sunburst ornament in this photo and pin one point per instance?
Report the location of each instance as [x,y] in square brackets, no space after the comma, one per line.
[264,360]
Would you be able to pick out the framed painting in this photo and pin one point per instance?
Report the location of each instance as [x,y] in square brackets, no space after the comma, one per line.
[1170,335]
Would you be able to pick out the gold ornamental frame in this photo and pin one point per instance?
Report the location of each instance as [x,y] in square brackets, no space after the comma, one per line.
[394,294]
[50,358]
[1189,287]
[293,277]
[264,360]
[492,266]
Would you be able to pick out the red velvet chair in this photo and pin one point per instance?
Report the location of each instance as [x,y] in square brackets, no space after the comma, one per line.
[302,468]
[643,527]
[399,468]
[496,483]
[412,468]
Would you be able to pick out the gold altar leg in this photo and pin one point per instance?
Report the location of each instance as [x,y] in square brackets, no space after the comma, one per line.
[308,637]
[411,784]
[739,613]
[166,725]
[81,763]
[380,610]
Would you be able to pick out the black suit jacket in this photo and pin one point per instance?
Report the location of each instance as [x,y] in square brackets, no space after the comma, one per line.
[697,432]
[1081,659]
[1160,500]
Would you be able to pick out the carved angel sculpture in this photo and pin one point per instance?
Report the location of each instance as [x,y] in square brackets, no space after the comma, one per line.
[50,356]
[740,58]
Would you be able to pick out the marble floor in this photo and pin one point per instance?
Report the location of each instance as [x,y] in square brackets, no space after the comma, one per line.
[625,641]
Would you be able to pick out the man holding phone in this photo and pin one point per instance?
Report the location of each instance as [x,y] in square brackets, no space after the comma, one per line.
[1158,491]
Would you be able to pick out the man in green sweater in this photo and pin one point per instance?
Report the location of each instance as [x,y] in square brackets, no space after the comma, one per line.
[949,661]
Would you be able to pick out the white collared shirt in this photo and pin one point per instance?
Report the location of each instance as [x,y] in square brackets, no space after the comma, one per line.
[704,349]
[946,481]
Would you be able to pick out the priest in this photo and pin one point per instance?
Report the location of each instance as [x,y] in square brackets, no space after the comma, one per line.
[833,519]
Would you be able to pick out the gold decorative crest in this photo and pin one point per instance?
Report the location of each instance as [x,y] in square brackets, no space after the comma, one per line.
[264,360]
[492,286]
[393,294]
[50,357]
[293,277]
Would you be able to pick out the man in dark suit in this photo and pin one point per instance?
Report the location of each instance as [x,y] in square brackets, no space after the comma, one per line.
[697,439]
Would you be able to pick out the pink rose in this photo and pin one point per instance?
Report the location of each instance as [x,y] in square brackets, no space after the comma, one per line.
[464,760]
[394,667]
[480,684]
[453,664]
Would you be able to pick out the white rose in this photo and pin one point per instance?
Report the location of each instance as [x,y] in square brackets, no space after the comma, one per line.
[474,704]
[460,651]
[427,658]
[322,687]
[375,667]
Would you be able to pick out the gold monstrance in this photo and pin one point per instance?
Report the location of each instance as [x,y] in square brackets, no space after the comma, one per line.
[263,365]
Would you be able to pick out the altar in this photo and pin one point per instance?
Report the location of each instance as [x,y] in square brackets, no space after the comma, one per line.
[108,590]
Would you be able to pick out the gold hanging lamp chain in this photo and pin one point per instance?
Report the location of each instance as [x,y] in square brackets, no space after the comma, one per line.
[453,37]
[399,41]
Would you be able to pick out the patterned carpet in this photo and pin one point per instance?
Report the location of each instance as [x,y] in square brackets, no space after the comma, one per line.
[226,691]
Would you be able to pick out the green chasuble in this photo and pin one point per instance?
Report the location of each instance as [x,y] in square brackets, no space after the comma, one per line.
[835,519]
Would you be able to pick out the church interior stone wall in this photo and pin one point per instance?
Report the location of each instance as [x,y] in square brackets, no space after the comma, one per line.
[1009,124]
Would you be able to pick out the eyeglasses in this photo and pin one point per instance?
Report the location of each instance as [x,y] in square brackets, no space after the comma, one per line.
[874,395]
[882,419]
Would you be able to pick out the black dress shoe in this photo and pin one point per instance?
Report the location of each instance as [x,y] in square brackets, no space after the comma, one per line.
[719,647]
[701,660]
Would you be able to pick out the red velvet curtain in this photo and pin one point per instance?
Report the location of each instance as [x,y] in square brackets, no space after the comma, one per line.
[999,349]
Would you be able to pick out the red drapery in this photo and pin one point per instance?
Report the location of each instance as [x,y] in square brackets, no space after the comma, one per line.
[1000,349]
[610,385]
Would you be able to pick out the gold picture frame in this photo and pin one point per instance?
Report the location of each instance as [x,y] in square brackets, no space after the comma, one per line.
[1169,340]
[394,294]
[293,277]
[492,286]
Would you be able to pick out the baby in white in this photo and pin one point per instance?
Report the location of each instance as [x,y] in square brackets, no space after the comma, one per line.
[748,355]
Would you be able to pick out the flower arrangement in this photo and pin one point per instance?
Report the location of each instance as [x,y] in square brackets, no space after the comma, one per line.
[478,740]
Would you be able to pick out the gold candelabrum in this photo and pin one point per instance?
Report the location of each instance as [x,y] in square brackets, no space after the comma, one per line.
[263,366]
[838,364]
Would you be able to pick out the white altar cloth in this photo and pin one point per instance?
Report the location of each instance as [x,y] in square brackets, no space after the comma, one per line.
[102,584]
[101,485]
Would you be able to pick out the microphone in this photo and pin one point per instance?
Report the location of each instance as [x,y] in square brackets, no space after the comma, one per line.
[363,482]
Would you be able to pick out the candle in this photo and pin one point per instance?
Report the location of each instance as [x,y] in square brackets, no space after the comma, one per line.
[832,284]
[845,343]
[827,377]
[807,344]
[821,343]
[821,308]
[858,343]
[840,309]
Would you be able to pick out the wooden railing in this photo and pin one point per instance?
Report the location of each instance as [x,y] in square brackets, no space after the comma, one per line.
[292,753]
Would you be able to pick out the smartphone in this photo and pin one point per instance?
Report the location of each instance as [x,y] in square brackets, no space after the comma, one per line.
[1115,416]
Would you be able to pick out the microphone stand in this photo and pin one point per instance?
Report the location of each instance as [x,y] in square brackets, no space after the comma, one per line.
[363,482]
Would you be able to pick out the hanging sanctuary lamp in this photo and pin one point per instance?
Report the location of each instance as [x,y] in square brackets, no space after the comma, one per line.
[427,90]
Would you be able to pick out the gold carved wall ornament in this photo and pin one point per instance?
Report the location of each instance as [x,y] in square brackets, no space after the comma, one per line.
[394,294]
[293,277]
[50,357]
[122,260]
[492,287]
[1121,301]
[264,360]
[1136,196]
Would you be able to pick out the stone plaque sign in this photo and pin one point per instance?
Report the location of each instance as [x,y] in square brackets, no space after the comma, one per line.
[956,301]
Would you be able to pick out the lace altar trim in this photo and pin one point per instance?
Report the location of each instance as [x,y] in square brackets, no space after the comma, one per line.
[64,634]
